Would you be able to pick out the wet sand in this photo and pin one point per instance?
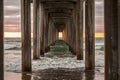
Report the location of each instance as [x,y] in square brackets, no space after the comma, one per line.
[56,74]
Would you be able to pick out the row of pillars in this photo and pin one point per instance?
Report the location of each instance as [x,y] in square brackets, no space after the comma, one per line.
[41,33]
[112,37]
[45,33]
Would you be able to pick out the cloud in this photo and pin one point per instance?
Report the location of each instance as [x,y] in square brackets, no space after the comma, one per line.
[99,29]
[11,7]
[12,18]
[99,8]
[12,15]
[99,20]
[99,16]
[12,2]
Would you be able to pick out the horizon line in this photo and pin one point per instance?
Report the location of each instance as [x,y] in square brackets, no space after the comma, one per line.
[18,35]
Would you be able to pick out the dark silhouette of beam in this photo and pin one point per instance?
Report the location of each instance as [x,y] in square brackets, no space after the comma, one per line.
[26,35]
[112,39]
[90,35]
[36,31]
[1,41]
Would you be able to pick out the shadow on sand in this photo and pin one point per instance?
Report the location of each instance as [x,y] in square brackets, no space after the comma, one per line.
[62,74]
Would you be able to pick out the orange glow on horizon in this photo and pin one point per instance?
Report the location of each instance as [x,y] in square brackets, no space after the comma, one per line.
[98,35]
[13,34]
[18,35]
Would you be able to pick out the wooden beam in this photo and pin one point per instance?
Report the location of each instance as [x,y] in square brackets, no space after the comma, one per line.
[26,35]
[89,35]
[1,41]
[79,30]
[36,40]
[112,40]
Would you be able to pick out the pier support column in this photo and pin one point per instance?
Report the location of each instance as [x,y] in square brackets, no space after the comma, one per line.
[36,31]
[79,30]
[49,26]
[74,29]
[89,35]
[112,40]
[1,41]
[26,35]
[41,29]
[46,24]
[73,33]
[51,32]
[118,60]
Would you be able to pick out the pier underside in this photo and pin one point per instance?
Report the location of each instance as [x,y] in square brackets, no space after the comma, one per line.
[63,20]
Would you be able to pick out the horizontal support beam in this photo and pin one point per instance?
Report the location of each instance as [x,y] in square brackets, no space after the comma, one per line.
[58,5]
[57,14]
[59,19]
[58,0]
[65,10]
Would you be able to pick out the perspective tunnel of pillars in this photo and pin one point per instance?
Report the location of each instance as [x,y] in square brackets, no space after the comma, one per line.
[53,17]
[58,20]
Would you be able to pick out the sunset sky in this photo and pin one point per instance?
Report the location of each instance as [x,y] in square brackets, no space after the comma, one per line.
[12,18]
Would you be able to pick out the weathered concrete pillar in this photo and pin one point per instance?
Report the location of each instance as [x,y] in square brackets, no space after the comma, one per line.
[56,34]
[26,35]
[89,35]
[53,33]
[41,29]
[112,39]
[73,35]
[50,32]
[74,29]
[36,32]
[49,26]
[66,33]
[70,29]
[46,24]
[79,30]
[1,41]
